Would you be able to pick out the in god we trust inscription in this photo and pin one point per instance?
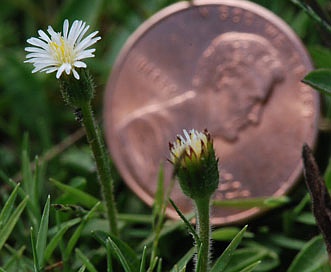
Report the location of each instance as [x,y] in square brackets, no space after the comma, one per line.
[229,66]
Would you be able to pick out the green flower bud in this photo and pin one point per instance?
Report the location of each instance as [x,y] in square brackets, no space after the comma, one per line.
[77,92]
[195,162]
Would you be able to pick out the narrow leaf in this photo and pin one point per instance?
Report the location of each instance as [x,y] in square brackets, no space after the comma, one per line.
[225,233]
[128,252]
[259,202]
[159,265]
[225,258]
[7,228]
[119,255]
[82,268]
[320,80]
[199,261]
[34,252]
[311,258]
[58,236]
[42,233]
[250,267]
[143,261]
[159,199]
[8,207]
[74,238]
[181,264]
[90,267]
[187,223]
[84,199]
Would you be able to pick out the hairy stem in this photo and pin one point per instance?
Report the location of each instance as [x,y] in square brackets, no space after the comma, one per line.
[203,229]
[102,162]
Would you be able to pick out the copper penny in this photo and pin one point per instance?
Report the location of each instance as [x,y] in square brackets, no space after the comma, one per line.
[229,66]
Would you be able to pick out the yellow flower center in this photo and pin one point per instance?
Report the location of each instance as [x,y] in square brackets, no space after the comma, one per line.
[62,52]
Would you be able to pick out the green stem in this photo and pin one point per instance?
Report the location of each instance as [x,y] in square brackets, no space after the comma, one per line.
[203,229]
[102,162]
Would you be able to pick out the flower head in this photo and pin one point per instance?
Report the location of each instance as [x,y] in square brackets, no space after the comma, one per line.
[61,52]
[192,145]
[196,165]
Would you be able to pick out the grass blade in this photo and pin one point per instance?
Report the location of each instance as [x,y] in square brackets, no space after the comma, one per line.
[224,259]
[181,264]
[199,259]
[42,233]
[258,202]
[7,228]
[187,223]
[119,255]
[83,198]
[312,256]
[159,266]
[128,253]
[250,267]
[82,268]
[58,236]
[34,252]
[74,238]
[8,207]
[109,257]
[158,213]
[143,261]
[90,267]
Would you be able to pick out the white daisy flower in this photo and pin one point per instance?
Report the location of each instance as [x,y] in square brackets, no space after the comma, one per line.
[61,52]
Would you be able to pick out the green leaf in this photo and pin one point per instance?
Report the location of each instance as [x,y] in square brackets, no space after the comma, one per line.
[228,233]
[74,238]
[109,257]
[90,267]
[82,268]
[321,56]
[159,200]
[120,255]
[58,236]
[181,264]
[42,233]
[159,265]
[306,218]
[34,252]
[158,214]
[7,228]
[242,258]
[320,80]
[286,242]
[2,270]
[143,261]
[311,258]
[16,256]
[199,257]
[83,198]
[7,209]
[186,222]
[246,203]
[225,258]
[314,12]
[126,251]
[250,267]
[169,227]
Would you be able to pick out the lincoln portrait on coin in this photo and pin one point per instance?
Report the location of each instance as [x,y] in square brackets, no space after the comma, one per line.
[233,79]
